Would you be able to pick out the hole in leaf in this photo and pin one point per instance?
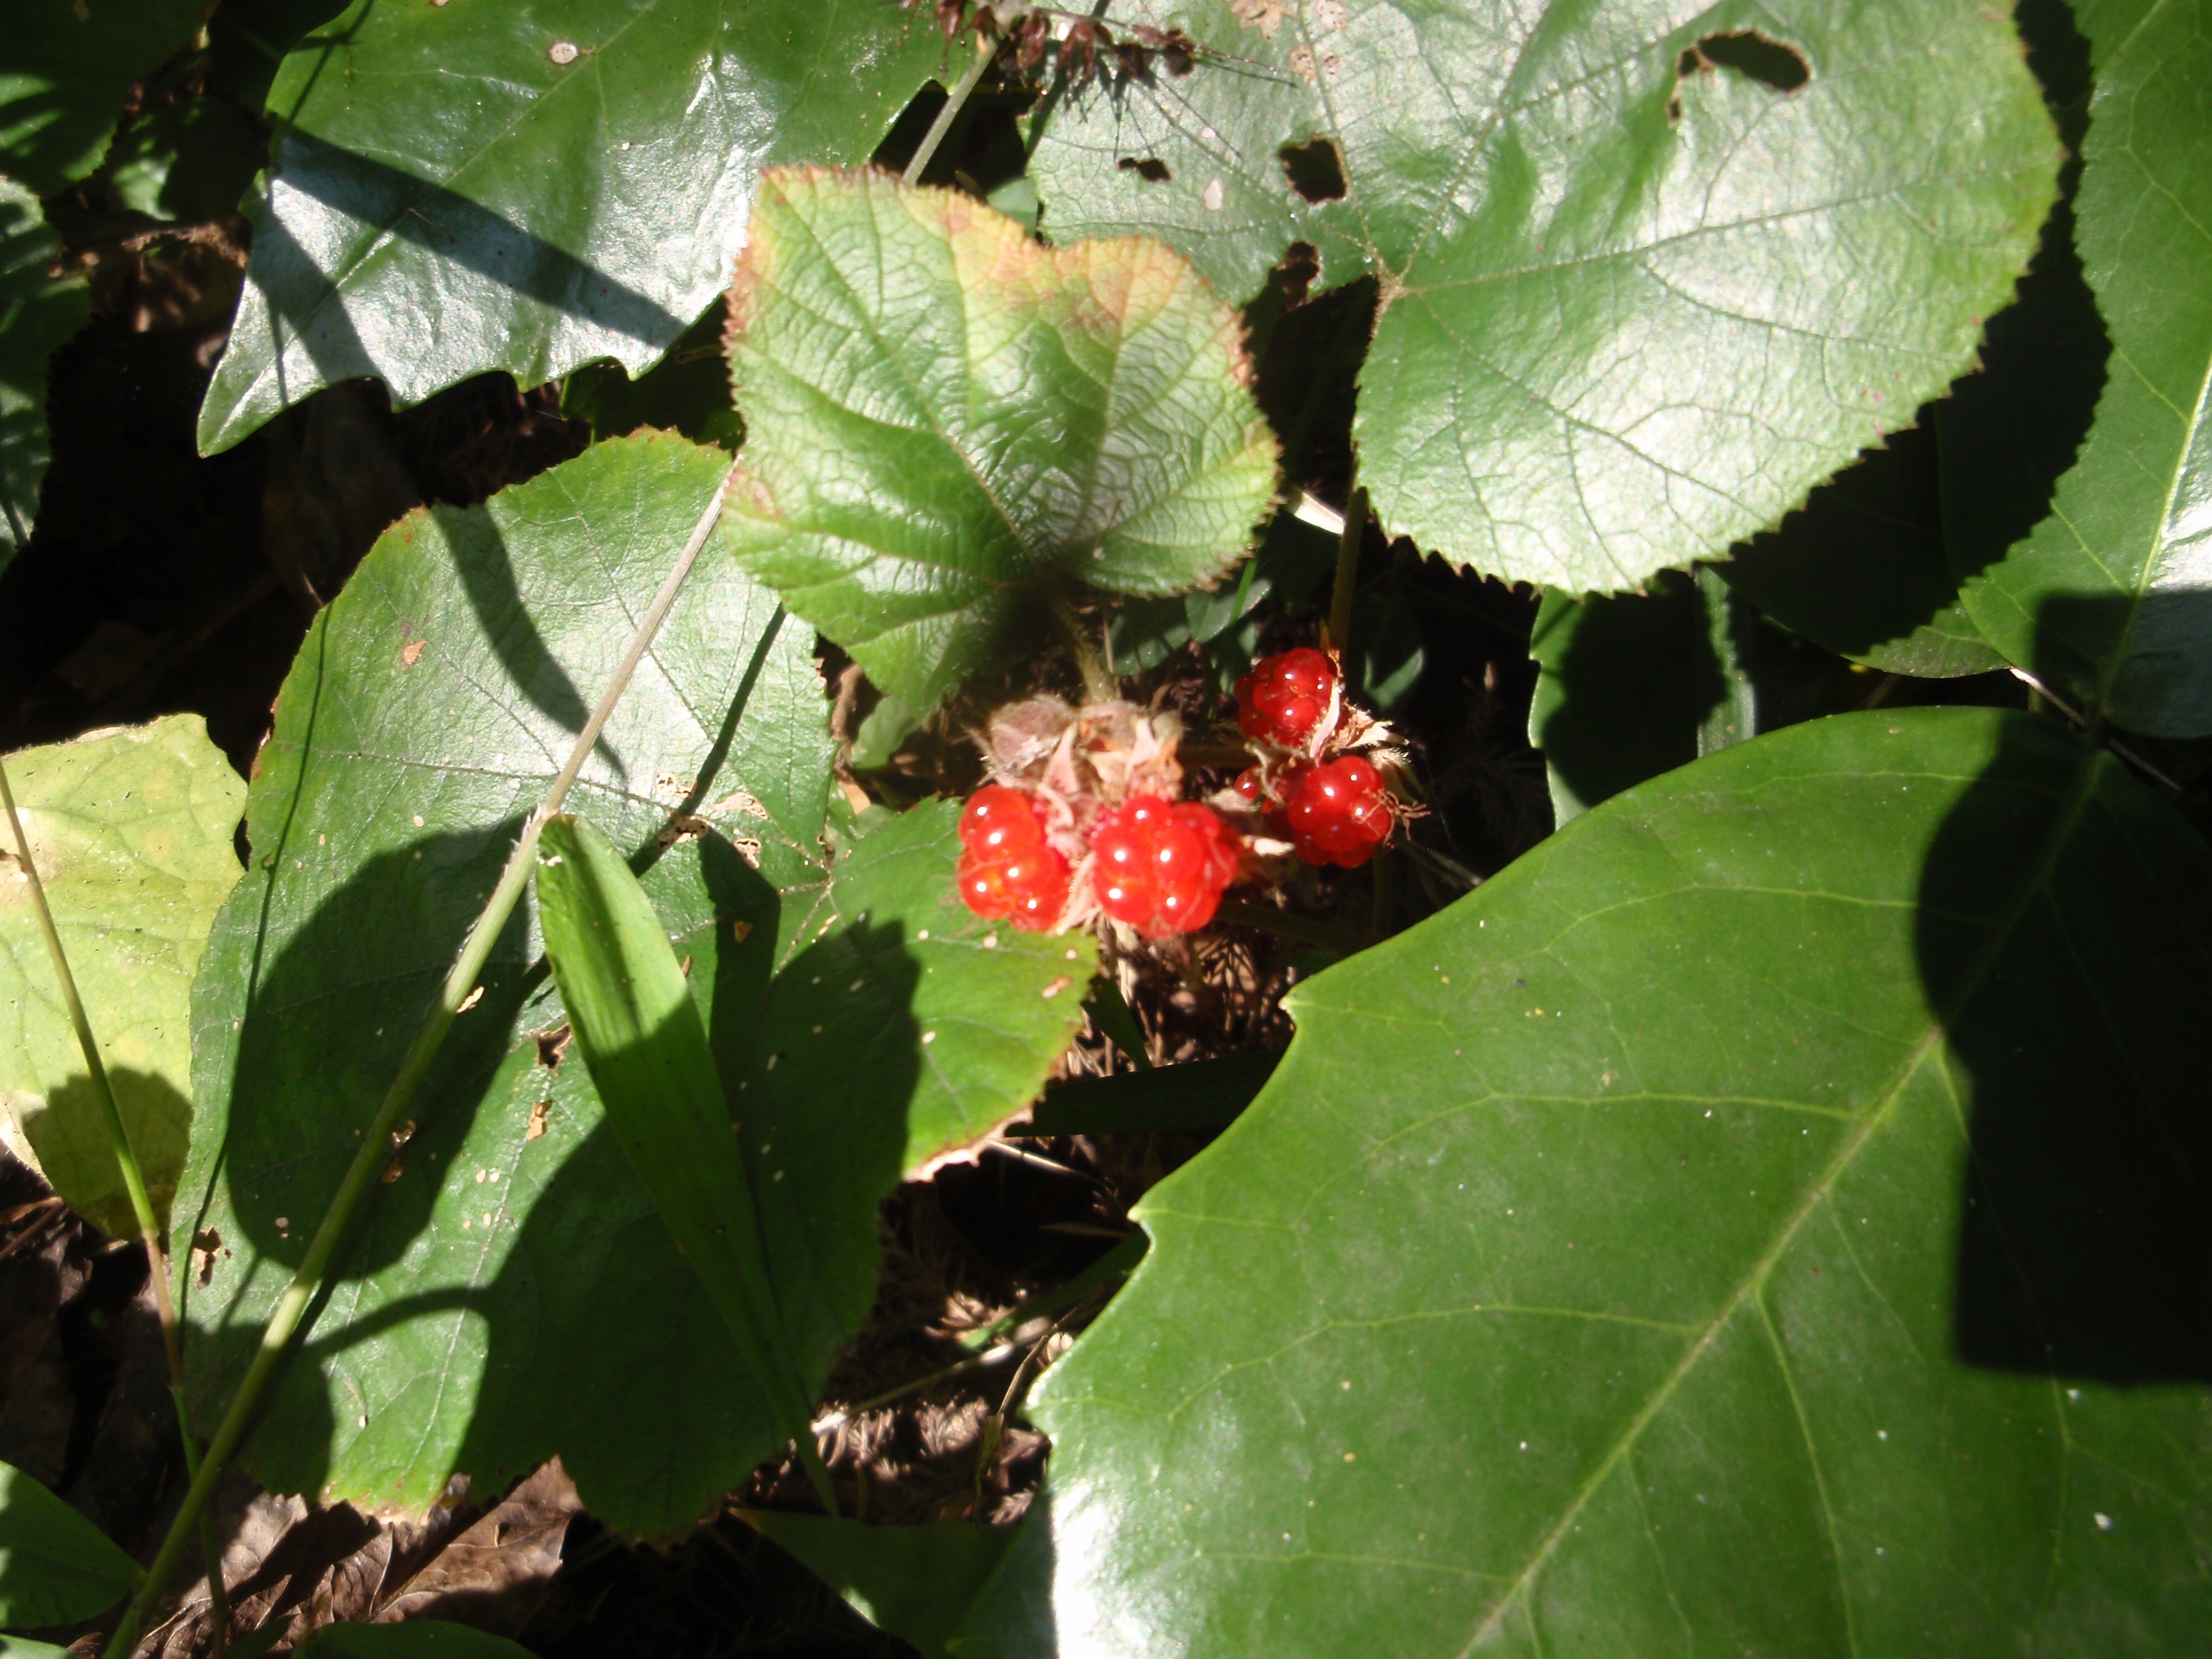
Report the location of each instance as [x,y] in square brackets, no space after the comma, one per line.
[1750,54]
[1301,264]
[1315,170]
[1150,169]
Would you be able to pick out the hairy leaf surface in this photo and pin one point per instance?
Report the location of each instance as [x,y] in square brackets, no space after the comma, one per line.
[1767,1216]
[530,187]
[947,424]
[1648,272]
[133,834]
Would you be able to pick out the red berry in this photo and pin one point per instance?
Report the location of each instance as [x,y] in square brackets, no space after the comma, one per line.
[1000,819]
[1248,785]
[1162,865]
[1339,813]
[1286,696]
[1007,866]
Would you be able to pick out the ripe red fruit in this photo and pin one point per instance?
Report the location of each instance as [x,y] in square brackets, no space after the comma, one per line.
[1338,813]
[1286,696]
[1007,866]
[1162,865]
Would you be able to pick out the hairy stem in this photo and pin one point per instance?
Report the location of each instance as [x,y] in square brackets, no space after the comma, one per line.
[375,1148]
[1099,685]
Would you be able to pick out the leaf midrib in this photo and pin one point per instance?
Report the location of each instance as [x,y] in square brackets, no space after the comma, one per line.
[1748,1288]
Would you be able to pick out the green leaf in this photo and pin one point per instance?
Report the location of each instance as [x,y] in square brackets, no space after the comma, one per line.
[21,1647]
[1766,1217]
[428,711]
[514,1243]
[411,1639]
[909,1029]
[2105,597]
[187,160]
[37,313]
[132,832]
[915,1582]
[1006,419]
[1634,685]
[64,71]
[1634,301]
[56,1567]
[1862,568]
[570,184]
[643,1037]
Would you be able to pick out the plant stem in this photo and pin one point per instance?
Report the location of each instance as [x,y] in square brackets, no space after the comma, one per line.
[954,101]
[361,1176]
[1099,685]
[1347,572]
[134,1183]
[119,1138]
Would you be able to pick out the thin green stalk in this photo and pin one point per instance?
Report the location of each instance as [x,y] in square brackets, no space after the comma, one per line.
[1347,572]
[119,1138]
[368,1162]
[134,1183]
[955,101]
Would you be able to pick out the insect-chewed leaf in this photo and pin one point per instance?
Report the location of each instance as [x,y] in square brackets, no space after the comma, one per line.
[1648,273]
[641,1034]
[946,421]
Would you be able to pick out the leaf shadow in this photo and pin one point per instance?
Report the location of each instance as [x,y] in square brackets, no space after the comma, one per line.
[70,1139]
[1885,547]
[421,214]
[504,616]
[2085,1247]
[593,1339]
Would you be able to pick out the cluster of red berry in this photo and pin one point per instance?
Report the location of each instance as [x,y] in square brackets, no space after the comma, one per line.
[1087,817]
[1159,866]
[1334,811]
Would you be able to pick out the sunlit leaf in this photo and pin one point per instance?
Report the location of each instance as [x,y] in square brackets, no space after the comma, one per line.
[645,1045]
[428,711]
[947,424]
[531,187]
[1648,273]
[1766,1217]
[133,833]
